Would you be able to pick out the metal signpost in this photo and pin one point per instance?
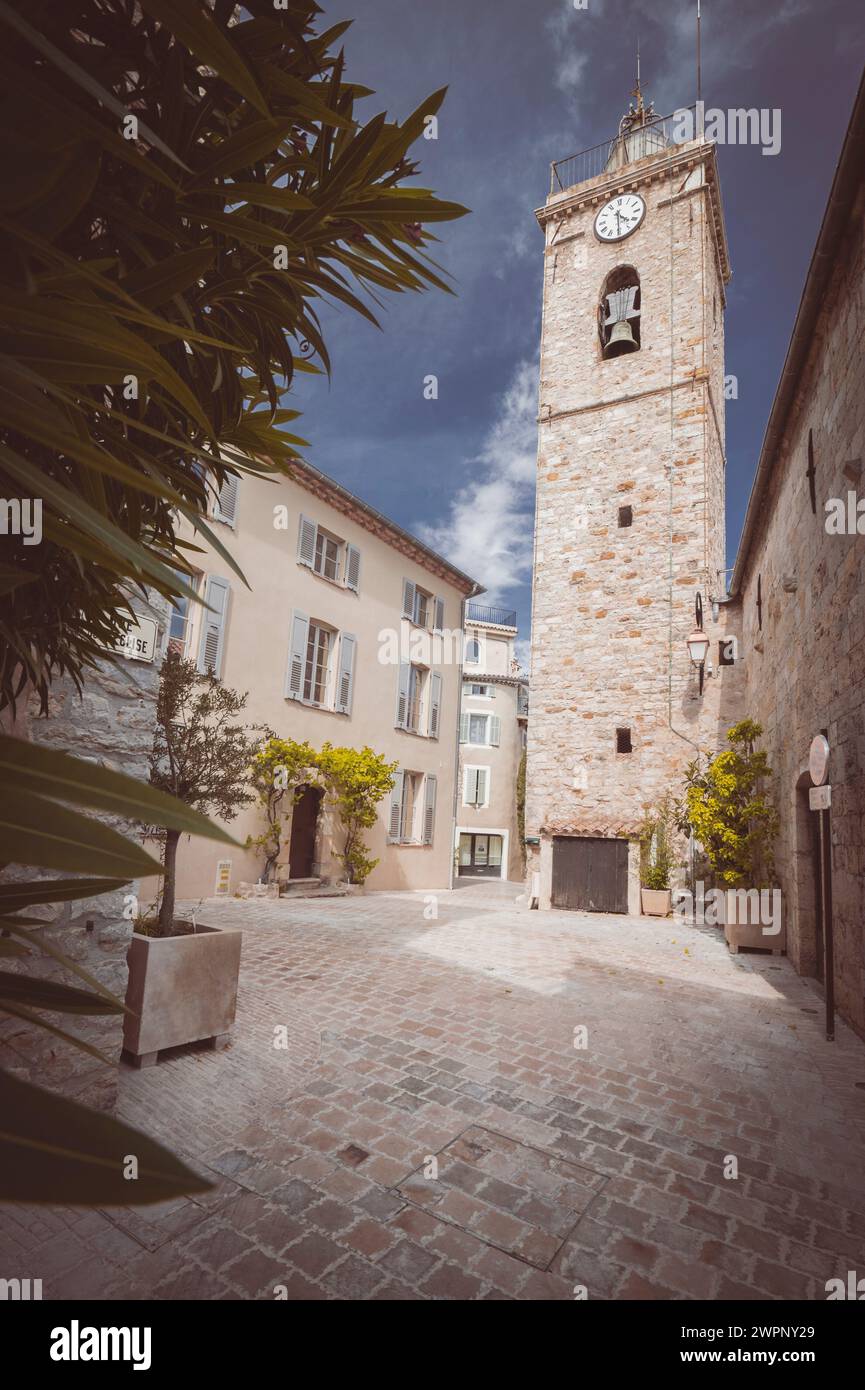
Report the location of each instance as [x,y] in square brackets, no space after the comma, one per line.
[820,800]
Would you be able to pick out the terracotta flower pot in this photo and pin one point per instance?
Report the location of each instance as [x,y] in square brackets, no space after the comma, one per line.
[656,902]
[181,989]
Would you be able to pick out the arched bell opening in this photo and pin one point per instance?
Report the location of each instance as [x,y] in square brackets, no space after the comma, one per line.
[619,312]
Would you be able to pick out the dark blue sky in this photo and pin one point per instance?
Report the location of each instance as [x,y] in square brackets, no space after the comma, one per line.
[531,81]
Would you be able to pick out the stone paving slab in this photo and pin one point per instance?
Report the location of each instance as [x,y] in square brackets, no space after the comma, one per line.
[370,1039]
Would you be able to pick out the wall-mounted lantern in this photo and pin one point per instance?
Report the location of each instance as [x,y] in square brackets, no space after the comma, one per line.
[698,642]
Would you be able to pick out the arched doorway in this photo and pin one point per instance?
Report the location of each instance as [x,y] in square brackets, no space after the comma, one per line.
[304,822]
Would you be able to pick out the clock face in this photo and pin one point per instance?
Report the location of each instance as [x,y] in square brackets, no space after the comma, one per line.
[619,217]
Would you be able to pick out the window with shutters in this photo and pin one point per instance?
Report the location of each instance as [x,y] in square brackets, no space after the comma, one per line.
[328,555]
[321,664]
[476,786]
[411,819]
[419,695]
[482,730]
[421,607]
[486,692]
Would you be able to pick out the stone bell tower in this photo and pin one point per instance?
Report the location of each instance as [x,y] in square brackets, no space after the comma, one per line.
[629,525]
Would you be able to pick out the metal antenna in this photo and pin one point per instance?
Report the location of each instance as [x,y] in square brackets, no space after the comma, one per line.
[638,92]
[699,73]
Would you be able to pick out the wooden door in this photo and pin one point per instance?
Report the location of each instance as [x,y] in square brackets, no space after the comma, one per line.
[301,848]
[590,875]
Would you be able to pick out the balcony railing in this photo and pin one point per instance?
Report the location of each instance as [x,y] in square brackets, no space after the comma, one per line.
[501,617]
[637,143]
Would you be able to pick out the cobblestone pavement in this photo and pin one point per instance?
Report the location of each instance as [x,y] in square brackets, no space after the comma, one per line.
[411,1039]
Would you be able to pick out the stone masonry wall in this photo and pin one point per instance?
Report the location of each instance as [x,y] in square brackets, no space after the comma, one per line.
[613,605]
[111,723]
[805,667]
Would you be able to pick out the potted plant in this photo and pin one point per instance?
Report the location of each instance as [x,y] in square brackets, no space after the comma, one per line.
[730,814]
[183,973]
[656,858]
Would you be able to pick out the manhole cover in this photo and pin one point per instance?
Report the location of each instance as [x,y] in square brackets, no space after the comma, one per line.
[519,1199]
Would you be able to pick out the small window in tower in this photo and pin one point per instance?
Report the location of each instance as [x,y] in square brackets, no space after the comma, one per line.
[626,516]
[623,741]
[619,312]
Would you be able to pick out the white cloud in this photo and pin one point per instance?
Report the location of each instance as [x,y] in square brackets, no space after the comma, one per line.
[488,531]
[563,25]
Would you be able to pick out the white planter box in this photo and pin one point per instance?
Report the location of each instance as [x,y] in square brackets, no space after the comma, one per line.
[656,902]
[181,989]
[743,925]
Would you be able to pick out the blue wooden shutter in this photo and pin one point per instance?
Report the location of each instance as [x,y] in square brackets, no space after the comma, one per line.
[296,655]
[352,567]
[429,810]
[395,817]
[226,502]
[435,699]
[345,675]
[407,599]
[306,537]
[470,786]
[210,648]
[402,694]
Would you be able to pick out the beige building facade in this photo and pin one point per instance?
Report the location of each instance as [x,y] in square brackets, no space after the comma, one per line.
[629,524]
[494,711]
[350,633]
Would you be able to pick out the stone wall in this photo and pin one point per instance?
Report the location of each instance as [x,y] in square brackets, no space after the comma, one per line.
[613,605]
[111,722]
[805,665]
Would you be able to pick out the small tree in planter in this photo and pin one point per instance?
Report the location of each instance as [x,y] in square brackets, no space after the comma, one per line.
[357,780]
[200,755]
[657,857]
[278,766]
[730,814]
[183,986]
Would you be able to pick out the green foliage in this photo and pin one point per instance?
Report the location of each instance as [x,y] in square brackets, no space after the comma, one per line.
[730,814]
[148,335]
[159,283]
[199,754]
[279,765]
[657,852]
[59,1151]
[357,780]
[521,805]
[51,1145]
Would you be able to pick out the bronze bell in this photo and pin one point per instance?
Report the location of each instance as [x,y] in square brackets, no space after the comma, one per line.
[621,340]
